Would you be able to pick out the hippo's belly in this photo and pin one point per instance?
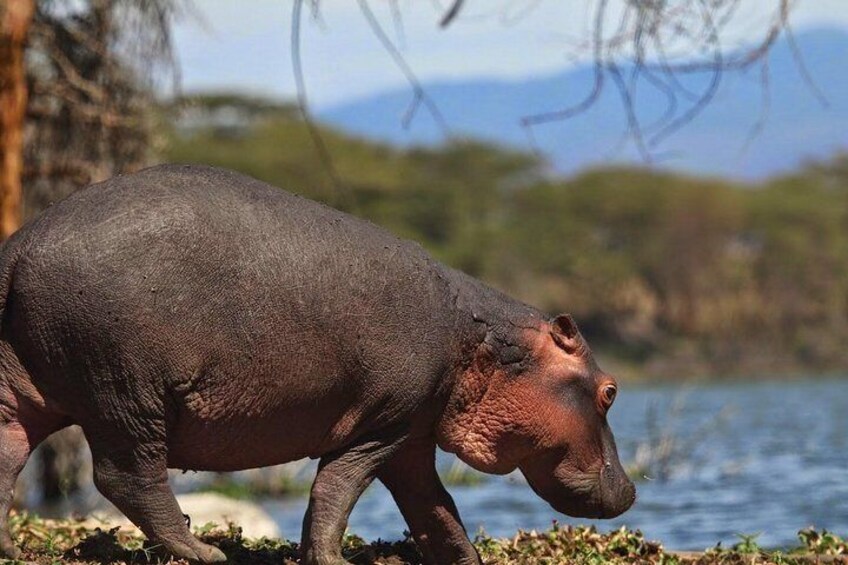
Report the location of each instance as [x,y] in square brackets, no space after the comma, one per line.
[244,441]
[269,417]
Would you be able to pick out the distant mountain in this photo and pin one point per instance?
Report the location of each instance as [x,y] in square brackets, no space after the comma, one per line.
[799,128]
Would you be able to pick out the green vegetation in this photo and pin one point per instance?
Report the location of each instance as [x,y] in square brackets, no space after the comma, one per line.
[460,474]
[246,489]
[291,481]
[48,542]
[668,275]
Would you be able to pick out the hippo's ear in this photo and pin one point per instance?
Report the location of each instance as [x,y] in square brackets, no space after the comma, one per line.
[565,334]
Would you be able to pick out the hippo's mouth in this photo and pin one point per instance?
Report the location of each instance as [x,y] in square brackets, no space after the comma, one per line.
[585,495]
[578,496]
[600,503]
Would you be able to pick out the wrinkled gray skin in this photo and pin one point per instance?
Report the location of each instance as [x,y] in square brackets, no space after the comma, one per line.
[195,318]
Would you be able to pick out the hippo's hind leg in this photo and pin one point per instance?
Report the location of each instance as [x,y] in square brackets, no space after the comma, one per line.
[132,473]
[18,437]
[342,477]
[14,452]
[429,511]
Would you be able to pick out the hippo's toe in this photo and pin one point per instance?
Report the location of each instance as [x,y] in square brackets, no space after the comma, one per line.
[210,554]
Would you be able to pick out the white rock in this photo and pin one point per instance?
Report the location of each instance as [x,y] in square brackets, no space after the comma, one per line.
[203,507]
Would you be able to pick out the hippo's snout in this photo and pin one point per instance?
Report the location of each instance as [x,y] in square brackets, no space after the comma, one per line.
[618,493]
[604,492]
[607,500]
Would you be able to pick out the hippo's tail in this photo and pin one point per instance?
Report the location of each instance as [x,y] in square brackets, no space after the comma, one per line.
[11,251]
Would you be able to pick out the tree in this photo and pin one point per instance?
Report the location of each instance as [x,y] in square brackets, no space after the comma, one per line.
[75,83]
[15,19]
[75,107]
[90,112]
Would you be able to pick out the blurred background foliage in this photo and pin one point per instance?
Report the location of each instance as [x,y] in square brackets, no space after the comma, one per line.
[668,275]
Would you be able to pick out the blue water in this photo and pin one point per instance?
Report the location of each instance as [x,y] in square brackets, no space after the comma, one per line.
[765,457]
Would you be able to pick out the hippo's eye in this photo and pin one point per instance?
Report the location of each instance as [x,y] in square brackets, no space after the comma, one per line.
[608,395]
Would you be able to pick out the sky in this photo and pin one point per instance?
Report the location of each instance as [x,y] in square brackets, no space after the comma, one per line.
[244,46]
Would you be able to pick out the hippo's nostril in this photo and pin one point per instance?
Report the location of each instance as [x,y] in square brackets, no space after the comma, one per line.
[628,495]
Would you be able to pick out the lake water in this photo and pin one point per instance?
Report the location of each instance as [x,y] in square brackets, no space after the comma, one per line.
[765,457]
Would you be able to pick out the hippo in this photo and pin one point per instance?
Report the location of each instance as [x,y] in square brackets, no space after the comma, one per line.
[194,318]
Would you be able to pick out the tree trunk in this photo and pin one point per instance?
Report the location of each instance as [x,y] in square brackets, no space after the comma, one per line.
[63,464]
[15,19]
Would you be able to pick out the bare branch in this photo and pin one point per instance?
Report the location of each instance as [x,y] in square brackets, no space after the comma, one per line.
[397,20]
[671,47]
[597,88]
[571,111]
[451,14]
[765,109]
[798,57]
[712,39]
[633,125]
[420,96]
[303,105]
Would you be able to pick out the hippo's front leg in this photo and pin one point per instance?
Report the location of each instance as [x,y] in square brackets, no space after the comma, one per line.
[341,479]
[429,510]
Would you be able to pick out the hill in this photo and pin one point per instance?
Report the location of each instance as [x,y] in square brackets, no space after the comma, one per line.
[799,127]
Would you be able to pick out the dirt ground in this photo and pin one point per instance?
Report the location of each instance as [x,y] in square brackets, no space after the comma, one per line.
[67,541]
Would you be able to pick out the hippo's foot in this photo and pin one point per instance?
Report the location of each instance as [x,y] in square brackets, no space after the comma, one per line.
[313,558]
[195,551]
[7,547]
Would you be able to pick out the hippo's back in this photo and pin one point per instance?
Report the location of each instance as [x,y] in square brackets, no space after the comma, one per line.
[188,206]
[225,300]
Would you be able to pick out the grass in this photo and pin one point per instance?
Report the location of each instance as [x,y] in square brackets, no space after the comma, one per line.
[66,541]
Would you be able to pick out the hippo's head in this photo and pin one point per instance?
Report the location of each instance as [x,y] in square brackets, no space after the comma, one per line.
[537,401]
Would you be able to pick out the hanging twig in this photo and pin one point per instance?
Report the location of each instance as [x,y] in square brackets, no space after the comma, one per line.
[303,105]
[765,109]
[798,57]
[451,14]
[640,46]
[420,96]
